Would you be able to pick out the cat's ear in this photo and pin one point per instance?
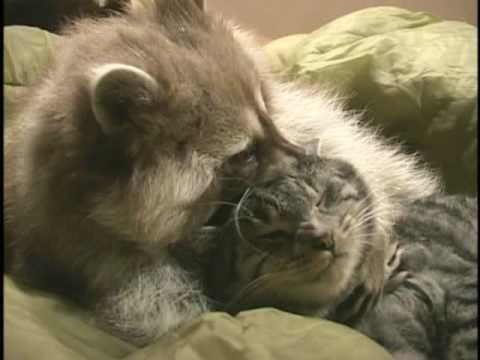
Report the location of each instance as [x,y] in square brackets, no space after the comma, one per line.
[119,93]
[312,147]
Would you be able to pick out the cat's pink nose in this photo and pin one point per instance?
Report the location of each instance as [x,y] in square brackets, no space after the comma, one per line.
[316,237]
[322,240]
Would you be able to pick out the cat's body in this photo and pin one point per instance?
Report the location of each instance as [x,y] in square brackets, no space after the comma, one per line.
[430,308]
[434,313]
[132,139]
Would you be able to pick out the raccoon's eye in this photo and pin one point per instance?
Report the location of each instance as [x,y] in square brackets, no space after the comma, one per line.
[244,157]
[243,163]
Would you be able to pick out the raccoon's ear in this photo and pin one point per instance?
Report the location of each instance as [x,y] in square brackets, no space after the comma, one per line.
[202,4]
[119,93]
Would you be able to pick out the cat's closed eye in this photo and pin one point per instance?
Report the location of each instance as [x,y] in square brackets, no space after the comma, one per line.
[336,194]
[272,239]
[348,192]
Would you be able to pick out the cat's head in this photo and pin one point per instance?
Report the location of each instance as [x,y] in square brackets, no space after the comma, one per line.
[149,118]
[295,241]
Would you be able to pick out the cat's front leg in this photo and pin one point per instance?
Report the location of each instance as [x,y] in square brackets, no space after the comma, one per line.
[368,293]
[394,276]
[382,275]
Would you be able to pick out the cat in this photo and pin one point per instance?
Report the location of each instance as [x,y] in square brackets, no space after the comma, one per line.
[142,127]
[300,242]
[435,311]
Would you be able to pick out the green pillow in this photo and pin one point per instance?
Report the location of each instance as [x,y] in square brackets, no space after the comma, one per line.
[415,76]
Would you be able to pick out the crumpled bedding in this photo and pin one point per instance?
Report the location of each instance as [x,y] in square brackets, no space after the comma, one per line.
[39,326]
[415,75]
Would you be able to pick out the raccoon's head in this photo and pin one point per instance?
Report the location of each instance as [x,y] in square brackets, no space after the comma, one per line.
[148,119]
[295,241]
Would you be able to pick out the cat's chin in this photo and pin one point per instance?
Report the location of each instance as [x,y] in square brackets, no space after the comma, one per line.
[321,285]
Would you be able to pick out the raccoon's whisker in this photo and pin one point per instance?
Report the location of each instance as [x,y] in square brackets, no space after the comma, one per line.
[227,203]
[273,279]
[242,217]
[233,178]
[236,221]
[237,211]
[270,280]
[262,280]
[245,293]
[209,203]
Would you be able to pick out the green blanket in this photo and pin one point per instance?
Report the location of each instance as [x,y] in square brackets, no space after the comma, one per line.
[414,74]
[42,327]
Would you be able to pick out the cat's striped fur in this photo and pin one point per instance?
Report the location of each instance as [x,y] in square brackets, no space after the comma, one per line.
[294,250]
[433,314]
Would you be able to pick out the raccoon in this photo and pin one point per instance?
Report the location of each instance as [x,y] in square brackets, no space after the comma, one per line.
[142,127]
